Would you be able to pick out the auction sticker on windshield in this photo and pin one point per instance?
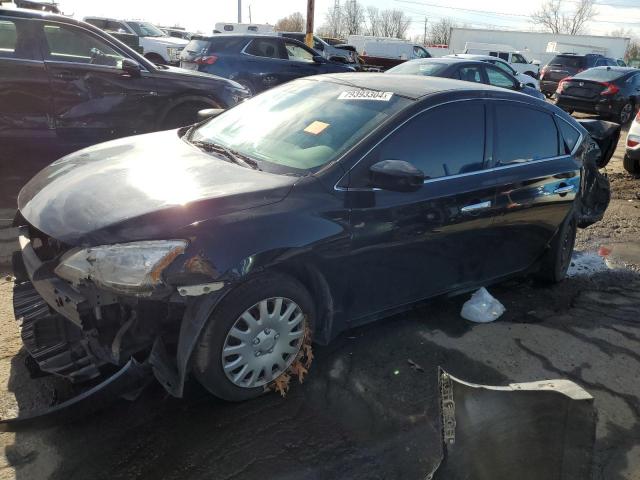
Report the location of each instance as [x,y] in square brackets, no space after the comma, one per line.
[365,95]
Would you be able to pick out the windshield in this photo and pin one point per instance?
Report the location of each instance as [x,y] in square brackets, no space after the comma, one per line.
[144,29]
[301,125]
[428,69]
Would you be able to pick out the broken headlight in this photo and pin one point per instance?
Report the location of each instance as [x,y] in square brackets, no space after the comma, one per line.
[127,268]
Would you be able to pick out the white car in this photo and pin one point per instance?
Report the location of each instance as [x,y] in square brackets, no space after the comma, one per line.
[632,154]
[157,46]
[498,62]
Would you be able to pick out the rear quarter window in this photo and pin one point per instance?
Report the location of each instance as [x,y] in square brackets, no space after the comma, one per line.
[569,134]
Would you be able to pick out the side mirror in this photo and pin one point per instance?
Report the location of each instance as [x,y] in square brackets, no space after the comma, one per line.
[396,176]
[208,113]
[319,59]
[131,67]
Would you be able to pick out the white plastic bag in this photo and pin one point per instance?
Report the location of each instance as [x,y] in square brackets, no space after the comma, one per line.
[482,307]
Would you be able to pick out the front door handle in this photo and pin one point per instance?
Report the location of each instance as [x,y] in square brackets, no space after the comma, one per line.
[564,189]
[475,207]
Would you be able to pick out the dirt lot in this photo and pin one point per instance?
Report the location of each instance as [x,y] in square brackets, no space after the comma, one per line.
[365,412]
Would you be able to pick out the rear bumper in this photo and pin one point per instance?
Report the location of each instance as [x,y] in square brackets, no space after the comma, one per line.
[548,86]
[599,106]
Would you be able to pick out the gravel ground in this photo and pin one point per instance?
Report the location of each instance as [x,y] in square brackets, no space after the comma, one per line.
[365,413]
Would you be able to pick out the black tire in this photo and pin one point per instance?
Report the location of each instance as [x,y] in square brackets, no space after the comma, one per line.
[556,260]
[207,358]
[625,115]
[630,165]
[183,115]
[155,58]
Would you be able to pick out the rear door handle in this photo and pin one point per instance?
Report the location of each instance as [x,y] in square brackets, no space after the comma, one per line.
[564,190]
[475,207]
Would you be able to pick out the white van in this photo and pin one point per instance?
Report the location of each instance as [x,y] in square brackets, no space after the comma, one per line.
[243,28]
[386,52]
[507,53]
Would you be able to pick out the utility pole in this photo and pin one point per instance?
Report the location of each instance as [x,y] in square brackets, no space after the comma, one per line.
[424,39]
[250,14]
[308,39]
[239,11]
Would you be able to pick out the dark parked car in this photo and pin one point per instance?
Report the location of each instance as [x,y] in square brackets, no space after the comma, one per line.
[612,92]
[320,205]
[467,70]
[568,64]
[258,62]
[67,84]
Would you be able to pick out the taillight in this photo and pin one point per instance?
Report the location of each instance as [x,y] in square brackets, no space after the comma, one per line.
[562,83]
[543,72]
[632,143]
[610,90]
[206,60]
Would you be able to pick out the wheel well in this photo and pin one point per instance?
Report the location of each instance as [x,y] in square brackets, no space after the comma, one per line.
[530,73]
[318,288]
[182,101]
[152,55]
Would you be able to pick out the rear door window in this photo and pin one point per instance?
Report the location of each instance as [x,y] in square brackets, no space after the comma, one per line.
[523,134]
[265,47]
[470,74]
[431,141]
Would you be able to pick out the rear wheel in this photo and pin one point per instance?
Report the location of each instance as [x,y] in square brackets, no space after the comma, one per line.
[556,260]
[625,114]
[253,336]
[631,165]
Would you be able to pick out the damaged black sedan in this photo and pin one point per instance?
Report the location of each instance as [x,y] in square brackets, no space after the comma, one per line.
[329,202]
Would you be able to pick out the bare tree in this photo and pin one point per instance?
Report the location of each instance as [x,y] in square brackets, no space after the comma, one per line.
[291,23]
[633,49]
[555,19]
[332,22]
[400,22]
[353,17]
[373,20]
[440,31]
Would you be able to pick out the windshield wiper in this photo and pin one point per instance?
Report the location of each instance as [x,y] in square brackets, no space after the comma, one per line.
[234,156]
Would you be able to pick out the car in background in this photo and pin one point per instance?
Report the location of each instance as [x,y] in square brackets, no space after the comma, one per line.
[156,45]
[467,70]
[258,62]
[507,53]
[612,92]
[323,204]
[528,80]
[385,52]
[568,64]
[67,84]
[328,51]
[632,155]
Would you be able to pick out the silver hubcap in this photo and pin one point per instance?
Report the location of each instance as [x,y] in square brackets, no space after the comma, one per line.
[263,342]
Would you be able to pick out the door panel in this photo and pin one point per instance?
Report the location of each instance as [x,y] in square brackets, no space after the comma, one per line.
[537,185]
[25,94]
[94,99]
[409,246]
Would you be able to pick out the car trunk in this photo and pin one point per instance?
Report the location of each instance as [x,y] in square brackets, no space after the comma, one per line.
[196,48]
[584,89]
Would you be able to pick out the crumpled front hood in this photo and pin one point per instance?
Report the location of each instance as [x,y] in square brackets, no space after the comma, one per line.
[141,187]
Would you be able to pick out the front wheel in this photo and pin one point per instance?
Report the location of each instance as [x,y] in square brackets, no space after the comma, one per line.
[253,336]
[556,260]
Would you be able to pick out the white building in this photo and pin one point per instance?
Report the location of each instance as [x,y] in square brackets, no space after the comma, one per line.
[533,45]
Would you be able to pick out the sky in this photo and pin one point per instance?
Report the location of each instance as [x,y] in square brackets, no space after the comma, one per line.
[201,15]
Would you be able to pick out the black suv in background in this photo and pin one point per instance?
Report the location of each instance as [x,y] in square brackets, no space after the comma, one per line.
[568,64]
[612,92]
[65,84]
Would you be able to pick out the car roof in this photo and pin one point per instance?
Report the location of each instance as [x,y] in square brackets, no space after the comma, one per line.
[472,56]
[410,86]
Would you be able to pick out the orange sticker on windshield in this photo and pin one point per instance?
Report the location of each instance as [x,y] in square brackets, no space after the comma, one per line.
[316,128]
